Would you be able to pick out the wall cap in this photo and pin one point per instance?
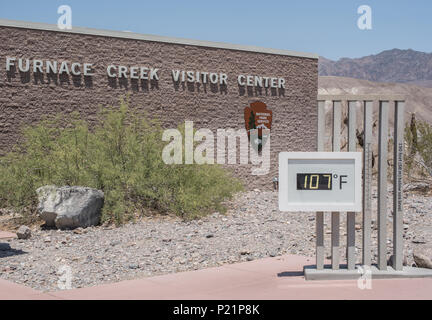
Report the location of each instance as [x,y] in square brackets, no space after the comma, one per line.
[152,38]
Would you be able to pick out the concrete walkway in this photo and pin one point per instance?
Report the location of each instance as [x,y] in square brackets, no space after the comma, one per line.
[7,235]
[279,278]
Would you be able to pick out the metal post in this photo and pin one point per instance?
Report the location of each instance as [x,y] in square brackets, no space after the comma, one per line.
[337,113]
[320,215]
[367,181]
[398,158]
[352,147]
[382,185]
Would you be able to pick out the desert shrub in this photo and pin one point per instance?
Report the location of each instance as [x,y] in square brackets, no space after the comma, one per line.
[121,155]
[424,145]
[418,138]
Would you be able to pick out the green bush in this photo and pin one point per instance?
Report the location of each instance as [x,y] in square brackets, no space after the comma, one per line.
[121,155]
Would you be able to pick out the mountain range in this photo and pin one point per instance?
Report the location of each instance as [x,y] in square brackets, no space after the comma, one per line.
[418,98]
[396,65]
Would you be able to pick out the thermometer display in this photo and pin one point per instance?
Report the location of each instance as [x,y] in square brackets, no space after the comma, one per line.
[314,181]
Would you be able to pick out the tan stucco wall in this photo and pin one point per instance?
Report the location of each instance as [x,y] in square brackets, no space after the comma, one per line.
[24,99]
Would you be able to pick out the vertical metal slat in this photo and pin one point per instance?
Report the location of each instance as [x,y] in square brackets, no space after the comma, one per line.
[367,181]
[320,215]
[398,157]
[352,147]
[335,223]
[382,185]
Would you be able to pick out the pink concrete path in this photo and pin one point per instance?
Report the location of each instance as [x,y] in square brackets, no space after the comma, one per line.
[7,235]
[12,291]
[277,278]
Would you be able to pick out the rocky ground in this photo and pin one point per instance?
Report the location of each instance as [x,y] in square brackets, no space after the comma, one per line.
[253,228]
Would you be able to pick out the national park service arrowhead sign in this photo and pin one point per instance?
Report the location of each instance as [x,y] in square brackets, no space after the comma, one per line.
[257,116]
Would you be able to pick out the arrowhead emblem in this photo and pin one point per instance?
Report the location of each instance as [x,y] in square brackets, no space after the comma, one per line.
[257,116]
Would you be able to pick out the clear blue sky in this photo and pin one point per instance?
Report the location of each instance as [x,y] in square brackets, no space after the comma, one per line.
[326,27]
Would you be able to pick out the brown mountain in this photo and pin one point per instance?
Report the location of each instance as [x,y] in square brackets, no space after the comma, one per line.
[418,99]
[403,66]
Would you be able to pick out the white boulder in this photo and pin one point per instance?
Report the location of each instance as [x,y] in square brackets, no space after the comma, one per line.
[70,207]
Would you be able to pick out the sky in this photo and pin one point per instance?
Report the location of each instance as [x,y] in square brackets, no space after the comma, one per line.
[328,28]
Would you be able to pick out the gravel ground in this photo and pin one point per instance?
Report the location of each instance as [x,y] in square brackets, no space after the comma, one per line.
[253,228]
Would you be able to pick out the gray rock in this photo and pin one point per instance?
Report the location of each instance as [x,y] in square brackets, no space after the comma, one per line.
[419,241]
[419,186]
[78,230]
[24,232]
[70,207]
[421,259]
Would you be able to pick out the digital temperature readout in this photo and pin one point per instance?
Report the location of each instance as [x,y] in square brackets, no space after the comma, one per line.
[320,181]
[314,181]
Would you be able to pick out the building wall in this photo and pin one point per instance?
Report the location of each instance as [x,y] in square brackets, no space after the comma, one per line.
[25,98]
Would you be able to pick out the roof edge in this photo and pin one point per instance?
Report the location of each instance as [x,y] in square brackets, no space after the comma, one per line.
[153,38]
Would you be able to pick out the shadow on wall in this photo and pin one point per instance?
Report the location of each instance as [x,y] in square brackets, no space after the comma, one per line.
[135,85]
[41,78]
[200,87]
[258,91]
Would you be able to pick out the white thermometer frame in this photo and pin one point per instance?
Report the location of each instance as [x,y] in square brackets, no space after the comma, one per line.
[284,201]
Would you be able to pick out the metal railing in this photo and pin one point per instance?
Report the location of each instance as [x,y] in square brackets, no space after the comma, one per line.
[339,102]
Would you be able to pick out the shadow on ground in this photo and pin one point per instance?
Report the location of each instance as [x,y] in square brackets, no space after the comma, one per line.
[291,274]
[7,251]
